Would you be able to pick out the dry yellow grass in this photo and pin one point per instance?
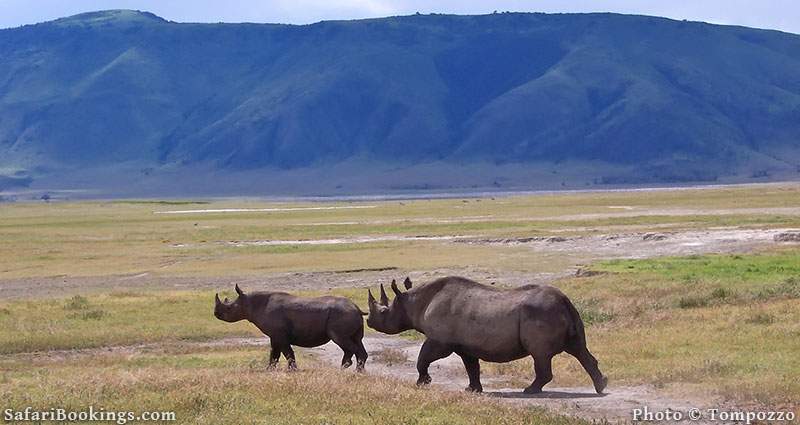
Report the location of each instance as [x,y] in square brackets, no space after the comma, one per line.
[230,386]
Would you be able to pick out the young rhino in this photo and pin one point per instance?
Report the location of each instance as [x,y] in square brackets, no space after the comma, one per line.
[308,322]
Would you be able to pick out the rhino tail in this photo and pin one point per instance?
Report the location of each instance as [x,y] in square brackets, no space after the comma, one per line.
[577,335]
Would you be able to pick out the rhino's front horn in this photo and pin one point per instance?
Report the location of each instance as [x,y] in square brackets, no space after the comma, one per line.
[371,299]
[216,299]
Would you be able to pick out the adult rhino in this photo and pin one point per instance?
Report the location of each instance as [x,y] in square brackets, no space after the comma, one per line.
[308,322]
[479,322]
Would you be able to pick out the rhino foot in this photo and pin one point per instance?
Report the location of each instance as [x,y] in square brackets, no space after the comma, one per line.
[471,389]
[532,390]
[600,386]
[424,380]
[345,365]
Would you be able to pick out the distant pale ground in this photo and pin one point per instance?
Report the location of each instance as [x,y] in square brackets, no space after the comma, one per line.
[351,180]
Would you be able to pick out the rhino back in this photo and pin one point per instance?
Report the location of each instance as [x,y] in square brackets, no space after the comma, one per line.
[307,321]
[492,324]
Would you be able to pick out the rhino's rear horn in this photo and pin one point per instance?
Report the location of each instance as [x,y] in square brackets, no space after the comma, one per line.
[396,289]
[238,290]
[384,298]
[407,283]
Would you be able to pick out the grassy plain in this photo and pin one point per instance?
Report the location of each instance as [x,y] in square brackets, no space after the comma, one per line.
[101,238]
[727,325]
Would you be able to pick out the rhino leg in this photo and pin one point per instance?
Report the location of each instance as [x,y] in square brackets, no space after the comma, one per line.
[289,354]
[274,356]
[361,355]
[589,363]
[473,367]
[347,360]
[348,346]
[542,365]
[430,352]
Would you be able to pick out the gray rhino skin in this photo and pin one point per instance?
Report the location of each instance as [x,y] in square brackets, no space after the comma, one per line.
[307,322]
[479,322]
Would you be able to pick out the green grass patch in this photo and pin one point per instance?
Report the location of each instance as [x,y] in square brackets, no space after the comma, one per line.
[733,269]
[701,281]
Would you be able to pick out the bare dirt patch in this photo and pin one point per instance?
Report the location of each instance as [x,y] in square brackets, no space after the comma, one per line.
[787,237]
[339,241]
[651,244]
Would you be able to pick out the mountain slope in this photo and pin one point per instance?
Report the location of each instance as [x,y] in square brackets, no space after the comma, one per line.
[649,98]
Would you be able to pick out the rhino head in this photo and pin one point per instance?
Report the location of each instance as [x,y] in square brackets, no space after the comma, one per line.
[390,318]
[230,311]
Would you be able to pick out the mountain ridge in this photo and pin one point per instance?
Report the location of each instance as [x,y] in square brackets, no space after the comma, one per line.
[652,99]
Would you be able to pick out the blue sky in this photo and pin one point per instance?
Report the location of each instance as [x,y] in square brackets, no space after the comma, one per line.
[774,14]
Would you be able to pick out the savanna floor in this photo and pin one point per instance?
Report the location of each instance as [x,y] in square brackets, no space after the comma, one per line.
[691,297]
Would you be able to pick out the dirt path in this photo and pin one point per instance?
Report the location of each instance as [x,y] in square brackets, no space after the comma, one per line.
[616,405]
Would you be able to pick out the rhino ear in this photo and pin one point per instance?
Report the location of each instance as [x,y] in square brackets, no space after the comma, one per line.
[396,289]
[384,298]
[238,290]
[407,283]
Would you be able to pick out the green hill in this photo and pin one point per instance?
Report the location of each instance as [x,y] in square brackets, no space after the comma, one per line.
[595,98]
